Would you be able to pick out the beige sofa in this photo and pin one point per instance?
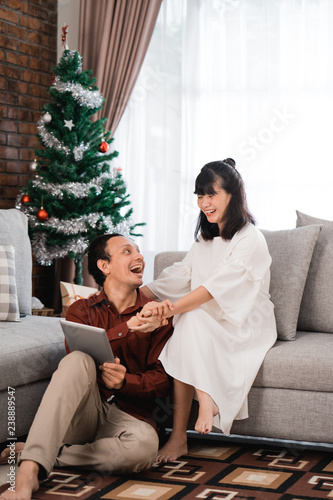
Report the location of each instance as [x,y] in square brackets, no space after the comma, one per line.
[292,396]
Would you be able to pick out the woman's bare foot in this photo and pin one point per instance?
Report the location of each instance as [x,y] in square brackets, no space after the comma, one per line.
[174,448]
[207,411]
[10,453]
[25,483]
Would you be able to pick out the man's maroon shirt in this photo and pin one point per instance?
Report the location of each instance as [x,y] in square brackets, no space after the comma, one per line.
[145,379]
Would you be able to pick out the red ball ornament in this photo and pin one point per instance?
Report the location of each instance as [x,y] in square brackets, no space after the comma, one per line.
[26,199]
[42,215]
[103,147]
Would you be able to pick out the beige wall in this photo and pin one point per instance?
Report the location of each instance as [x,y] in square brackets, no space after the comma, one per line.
[68,13]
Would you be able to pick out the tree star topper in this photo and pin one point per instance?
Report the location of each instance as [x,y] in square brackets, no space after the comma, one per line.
[64,30]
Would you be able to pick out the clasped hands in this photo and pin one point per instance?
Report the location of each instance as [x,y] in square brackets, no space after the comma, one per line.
[152,316]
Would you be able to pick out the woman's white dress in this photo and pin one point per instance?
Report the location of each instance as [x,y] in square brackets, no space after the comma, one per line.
[220,346]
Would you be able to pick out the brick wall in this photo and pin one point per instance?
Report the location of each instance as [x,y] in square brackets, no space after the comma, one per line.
[28,52]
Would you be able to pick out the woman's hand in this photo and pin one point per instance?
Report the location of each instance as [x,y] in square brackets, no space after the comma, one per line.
[160,310]
[149,324]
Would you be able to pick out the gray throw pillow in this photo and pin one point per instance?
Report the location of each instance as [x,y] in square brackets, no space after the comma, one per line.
[291,251]
[9,308]
[316,312]
[14,231]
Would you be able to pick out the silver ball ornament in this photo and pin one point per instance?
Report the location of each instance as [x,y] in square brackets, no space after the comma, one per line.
[33,166]
[47,117]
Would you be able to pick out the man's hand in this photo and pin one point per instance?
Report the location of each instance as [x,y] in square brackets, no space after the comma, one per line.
[113,374]
[146,325]
[160,310]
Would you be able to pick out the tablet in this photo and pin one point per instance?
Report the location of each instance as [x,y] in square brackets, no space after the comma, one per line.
[89,339]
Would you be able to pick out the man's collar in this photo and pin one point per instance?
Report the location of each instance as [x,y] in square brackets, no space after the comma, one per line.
[141,300]
[97,298]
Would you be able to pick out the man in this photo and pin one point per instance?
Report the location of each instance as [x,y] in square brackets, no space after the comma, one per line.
[102,418]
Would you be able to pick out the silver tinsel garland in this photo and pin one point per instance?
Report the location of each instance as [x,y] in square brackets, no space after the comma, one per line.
[70,226]
[79,150]
[45,254]
[49,140]
[85,97]
[76,225]
[78,189]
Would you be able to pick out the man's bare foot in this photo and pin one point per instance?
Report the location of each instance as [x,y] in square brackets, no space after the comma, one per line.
[25,483]
[173,449]
[207,411]
[11,452]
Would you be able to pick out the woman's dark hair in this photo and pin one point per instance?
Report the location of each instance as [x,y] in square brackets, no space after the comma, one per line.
[97,250]
[237,214]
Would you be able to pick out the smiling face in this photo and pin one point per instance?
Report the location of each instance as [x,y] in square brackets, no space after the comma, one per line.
[126,264]
[214,205]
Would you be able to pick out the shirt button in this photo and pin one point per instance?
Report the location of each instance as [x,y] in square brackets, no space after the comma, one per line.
[119,334]
[119,316]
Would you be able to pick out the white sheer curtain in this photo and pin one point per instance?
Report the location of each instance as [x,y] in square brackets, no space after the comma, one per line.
[248,79]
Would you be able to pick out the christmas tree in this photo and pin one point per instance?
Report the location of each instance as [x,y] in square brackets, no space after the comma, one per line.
[76,194]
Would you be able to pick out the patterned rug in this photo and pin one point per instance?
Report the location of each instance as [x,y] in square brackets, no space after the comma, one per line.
[211,470]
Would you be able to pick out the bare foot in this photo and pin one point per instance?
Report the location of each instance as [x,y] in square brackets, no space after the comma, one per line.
[207,411]
[24,484]
[10,453]
[173,449]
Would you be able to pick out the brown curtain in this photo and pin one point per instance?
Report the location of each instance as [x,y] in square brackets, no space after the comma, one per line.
[113,39]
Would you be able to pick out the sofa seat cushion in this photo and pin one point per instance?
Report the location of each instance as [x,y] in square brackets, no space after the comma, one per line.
[305,364]
[30,350]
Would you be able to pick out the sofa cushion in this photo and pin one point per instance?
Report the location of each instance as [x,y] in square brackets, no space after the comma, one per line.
[166,259]
[304,365]
[316,312]
[9,308]
[14,231]
[30,350]
[291,251]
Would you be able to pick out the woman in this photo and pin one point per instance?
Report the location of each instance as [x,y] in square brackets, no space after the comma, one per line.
[224,320]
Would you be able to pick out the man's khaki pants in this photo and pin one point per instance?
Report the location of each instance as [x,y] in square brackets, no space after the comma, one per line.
[74,427]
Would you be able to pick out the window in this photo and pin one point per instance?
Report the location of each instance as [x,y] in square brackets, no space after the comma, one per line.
[247,79]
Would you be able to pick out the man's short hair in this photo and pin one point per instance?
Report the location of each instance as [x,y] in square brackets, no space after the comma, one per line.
[97,250]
